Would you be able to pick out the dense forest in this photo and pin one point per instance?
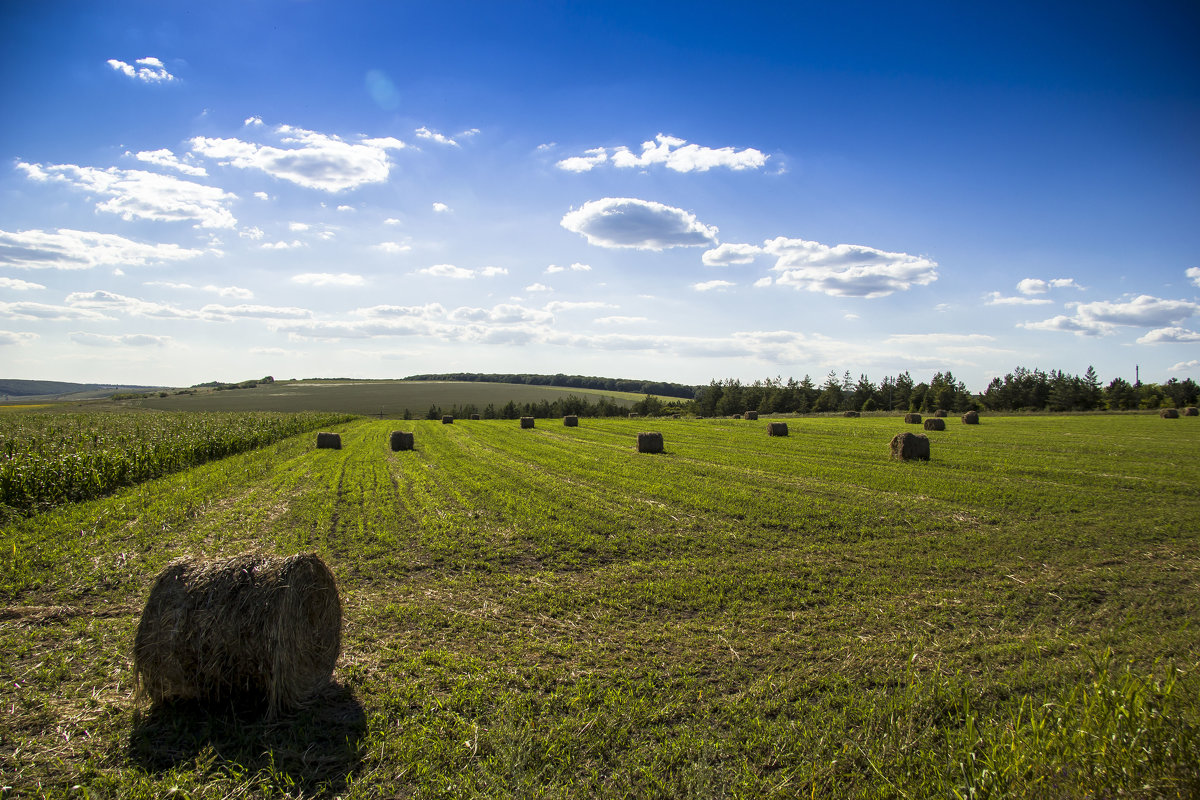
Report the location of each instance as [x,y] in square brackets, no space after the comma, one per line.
[572,381]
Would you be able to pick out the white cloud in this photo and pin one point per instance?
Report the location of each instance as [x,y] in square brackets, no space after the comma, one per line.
[281,245]
[441,208]
[434,136]
[1067,324]
[1143,310]
[393,221]
[18,285]
[706,286]
[297,227]
[1194,274]
[554,269]
[346,208]
[764,282]
[937,339]
[393,247]
[165,158]
[70,249]
[49,313]
[316,161]
[262,195]
[1184,366]
[577,267]
[847,270]
[255,312]
[428,311]
[127,340]
[16,337]
[329,279]
[1039,286]
[492,272]
[253,122]
[251,233]
[850,317]
[676,154]
[619,320]
[619,222]
[110,301]
[447,271]
[1172,334]
[554,306]
[997,299]
[538,287]
[147,70]
[137,194]
[235,292]
[729,254]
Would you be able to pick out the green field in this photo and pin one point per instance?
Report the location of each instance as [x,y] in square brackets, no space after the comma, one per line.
[372,397]
[547,613]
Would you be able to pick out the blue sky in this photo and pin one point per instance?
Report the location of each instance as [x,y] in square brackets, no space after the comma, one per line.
[677,192]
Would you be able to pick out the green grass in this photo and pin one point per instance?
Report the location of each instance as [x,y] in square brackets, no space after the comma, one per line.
[370,397]
[548,613]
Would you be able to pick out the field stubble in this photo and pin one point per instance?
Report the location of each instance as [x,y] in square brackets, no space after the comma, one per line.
[549,613]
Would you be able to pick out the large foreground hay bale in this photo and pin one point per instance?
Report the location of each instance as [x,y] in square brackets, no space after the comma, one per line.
[255,629]
[1169,413]
[777,429]
[650,442]
[330,441]
[1191,411]
[526,422]
[910,446]
[941,412]
[447,419]
[750,415]
[912,419]
[971,418]
[935,424]
[401,440]
[850,414]
[571,421]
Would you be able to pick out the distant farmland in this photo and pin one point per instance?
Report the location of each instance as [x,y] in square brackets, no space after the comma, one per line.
[373,397]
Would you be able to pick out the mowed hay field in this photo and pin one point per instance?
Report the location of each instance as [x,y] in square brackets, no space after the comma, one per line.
[547,613]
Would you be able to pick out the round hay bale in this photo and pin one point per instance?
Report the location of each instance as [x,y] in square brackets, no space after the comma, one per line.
[401,440]
[750,415]
[1169,413]
[633,415]
[912,419]
[255,630]
[935,424]
[447,420]
[910,446]
[571,421]
[850,414]
[526,422]
[941,412]
[650,442]
[971,418]
[777,429]
[329,441]
[475,417]
[1191,411]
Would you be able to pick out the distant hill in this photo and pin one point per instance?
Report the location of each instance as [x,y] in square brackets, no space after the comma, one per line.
[569,382]
[15,388]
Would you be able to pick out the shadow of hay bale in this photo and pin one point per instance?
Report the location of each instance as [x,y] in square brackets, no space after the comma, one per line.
[317,747]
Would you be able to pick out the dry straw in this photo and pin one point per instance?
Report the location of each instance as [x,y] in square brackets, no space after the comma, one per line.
[331,441]
[935,424]
[777,429]
[941,412]
[971,418]
[912,419]
[571,421]
[910,446]
[401,440]
[1191,411]
[254,630]
[750,415]
[650,442]
[526,422]
[850,414]
[447,420]
[1169,413]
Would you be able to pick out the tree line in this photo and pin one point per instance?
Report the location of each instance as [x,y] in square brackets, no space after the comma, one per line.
[663,388]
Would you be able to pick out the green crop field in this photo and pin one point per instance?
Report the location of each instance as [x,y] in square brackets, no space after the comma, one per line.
[547,613]
[373,397]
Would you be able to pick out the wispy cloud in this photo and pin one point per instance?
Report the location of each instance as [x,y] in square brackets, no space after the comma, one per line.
[329,279]
[125,340]
[998,299]
[434,136]
[68,249]
[707,286]
[165,158]
[18,285]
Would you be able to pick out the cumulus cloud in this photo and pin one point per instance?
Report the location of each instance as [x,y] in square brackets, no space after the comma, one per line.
[554,306]
[705,286]
[146,70]
[329,279]
[1067,324]
[447,271]
[165,158]
[252,233]
[313,160]
[1038,286]
[298,227]
[441,208]
[393,247]
[235,292]
[1184,366]
[625,222]
[538,287]
[100,300]
[764,282]
[554,269]
[728,254]
[1171,334]
[847,270]
[18,285]
[998,299]
[492,272]
[127,340]
[674,153]
[434,136]
[282,245]
[1194,274]
[15,337]
[137,194]
[619,320]
[49,313]
[254,312]
[70,249]
[1144,311]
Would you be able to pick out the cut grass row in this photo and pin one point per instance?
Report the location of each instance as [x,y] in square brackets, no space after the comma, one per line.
[548,613]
